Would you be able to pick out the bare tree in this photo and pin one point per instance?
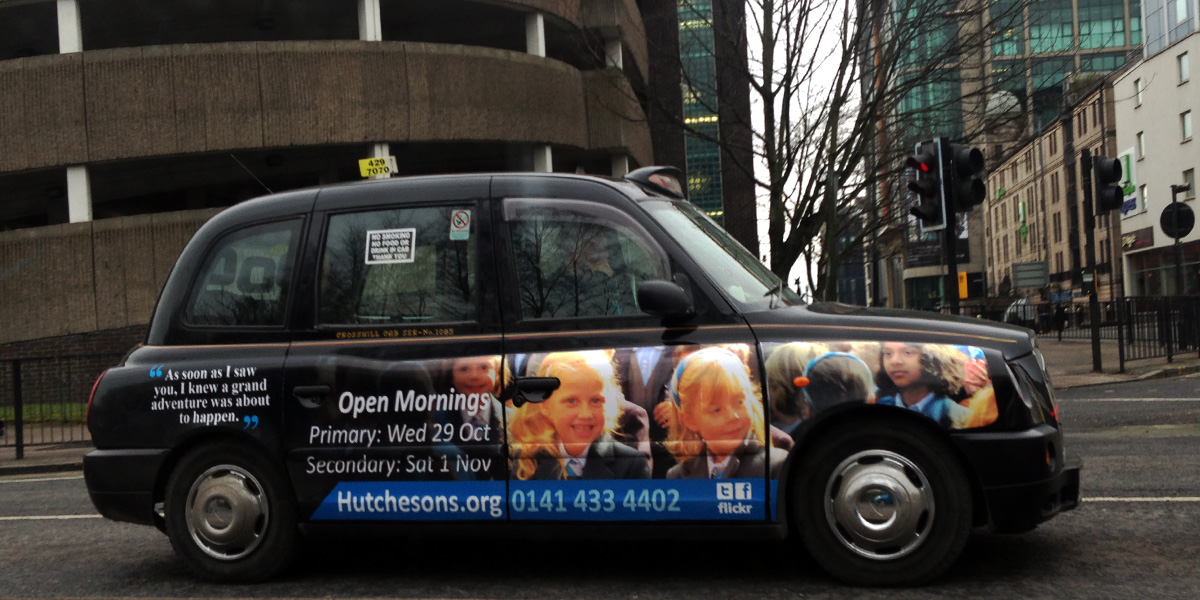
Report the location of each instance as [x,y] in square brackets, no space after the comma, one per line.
[840,89]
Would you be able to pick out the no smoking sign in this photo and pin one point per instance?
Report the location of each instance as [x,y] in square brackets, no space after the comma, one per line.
[460,224]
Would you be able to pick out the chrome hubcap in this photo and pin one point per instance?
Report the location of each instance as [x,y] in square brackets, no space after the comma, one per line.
[879,505]
[227,512]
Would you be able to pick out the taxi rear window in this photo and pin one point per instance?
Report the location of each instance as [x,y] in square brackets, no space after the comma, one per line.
[245,278]
[405,265]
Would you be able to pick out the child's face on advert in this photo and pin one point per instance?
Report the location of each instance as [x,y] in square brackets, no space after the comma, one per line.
[475,375]
[576,410]
[722,420]
[902,362]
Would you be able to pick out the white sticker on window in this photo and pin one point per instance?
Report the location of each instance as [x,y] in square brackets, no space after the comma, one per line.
[391,246]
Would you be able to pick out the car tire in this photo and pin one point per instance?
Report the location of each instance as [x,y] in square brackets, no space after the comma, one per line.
[230,514]
[880,504]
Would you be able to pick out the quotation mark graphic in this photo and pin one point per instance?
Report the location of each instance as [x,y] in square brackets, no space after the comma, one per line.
[251,421]
[156,371]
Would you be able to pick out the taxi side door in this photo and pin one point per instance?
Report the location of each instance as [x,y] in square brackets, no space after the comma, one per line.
[391,412]
[607,419]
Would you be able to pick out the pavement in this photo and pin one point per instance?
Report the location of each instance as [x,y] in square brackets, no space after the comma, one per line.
[1069,363]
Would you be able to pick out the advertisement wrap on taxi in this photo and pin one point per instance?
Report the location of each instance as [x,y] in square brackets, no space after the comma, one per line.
[560,355]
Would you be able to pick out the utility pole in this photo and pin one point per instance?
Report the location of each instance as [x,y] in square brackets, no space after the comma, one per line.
[1089,226]
[1177,189]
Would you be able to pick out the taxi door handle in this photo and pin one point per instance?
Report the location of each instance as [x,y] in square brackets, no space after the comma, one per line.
[311,396]
[530,389]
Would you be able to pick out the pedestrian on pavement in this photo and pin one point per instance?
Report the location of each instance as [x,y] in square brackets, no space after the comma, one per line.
[1060,320]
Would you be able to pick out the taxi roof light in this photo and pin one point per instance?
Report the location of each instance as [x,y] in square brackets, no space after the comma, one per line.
[664,180]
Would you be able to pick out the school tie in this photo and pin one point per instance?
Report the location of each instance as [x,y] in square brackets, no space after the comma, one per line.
[573,468]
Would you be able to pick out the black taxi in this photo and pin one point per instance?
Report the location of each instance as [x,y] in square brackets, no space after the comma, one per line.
[523,350]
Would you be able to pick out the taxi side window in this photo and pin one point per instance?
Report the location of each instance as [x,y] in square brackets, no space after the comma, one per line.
[411,265]
[245,278]
[579,259]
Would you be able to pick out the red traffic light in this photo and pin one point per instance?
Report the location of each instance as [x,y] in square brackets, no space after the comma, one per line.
[922,162]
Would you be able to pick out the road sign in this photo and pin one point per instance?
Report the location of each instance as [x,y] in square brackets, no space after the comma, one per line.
[1186,220]
[1034,274]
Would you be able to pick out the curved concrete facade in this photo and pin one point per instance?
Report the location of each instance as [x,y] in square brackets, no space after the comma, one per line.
[142,102]
[144,118]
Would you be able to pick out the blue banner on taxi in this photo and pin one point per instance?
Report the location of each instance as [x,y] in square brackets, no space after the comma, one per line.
[414,501]
[638,500]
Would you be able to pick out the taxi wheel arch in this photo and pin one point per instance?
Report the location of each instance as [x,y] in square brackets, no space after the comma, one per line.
[229,512]
[908,543]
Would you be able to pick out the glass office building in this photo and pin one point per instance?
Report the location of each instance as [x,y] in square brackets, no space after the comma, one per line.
[698,57]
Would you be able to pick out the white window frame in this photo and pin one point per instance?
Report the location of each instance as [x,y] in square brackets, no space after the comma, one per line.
[1141,145]
[1181,63]
[1185,125]
[1137,92]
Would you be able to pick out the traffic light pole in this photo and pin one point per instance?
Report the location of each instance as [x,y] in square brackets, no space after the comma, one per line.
[950,237]
[1089,226]
[1175,189]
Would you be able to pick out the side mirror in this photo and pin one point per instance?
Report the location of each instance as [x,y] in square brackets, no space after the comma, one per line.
[664,299]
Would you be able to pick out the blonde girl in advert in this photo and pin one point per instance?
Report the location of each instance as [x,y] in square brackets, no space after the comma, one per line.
[570,434]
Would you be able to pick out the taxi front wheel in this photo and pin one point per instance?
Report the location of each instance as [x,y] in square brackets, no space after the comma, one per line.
[229,514]
[879,504]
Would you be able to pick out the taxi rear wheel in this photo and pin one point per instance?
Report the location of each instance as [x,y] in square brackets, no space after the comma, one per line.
[229,514]
[879,504]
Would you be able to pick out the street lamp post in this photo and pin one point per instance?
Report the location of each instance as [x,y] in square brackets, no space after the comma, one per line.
[1175,191]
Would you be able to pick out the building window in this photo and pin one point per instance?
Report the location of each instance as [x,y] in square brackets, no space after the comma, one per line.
[1052,26]
[1053,188]
[1185,125]
[1096,114]
[1141,145]
[1101,24]
[1053,143]
[1182,61]
[1189,179]
[1179,20]
[1057,227]
[1058,263]
[1137,92]
[1017,242]
[1142,193]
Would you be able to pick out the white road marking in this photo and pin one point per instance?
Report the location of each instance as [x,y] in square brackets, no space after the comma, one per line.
[19,480]
[1129,399]
[49,517]
[1143,499]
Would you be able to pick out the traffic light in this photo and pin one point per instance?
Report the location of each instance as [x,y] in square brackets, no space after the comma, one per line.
[1107,175]
[927,185]
[967,189]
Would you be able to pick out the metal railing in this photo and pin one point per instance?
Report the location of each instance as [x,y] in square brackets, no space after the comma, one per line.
[43,401]
[1142,326]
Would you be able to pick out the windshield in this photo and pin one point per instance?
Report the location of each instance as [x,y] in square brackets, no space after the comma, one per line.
[745,281]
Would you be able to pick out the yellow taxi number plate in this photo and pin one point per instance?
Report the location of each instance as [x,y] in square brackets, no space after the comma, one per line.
[373,167]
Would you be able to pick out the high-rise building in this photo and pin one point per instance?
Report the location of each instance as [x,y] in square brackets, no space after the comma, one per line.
[1010,82]
[1156,131]
[700,105]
